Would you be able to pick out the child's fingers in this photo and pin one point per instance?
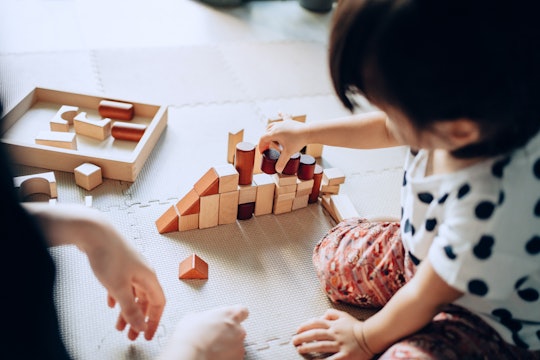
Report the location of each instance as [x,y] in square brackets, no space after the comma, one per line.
[332,314]
[238,313]
[316,323]
[318,347]
[312,335]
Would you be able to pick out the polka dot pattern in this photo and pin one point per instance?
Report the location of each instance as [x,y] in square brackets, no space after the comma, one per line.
[414,259]
[537,209]
[484,210]
[442,199]
[450,252]
[431,224]
[425,197]
[482,250]
[478,287]
[536,169]
[498,167]
[463,190]
[532,247]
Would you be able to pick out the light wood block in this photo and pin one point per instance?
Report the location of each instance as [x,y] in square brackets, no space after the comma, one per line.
[343,207]
[209,214]
[303,186]
[264,200]
[43,183]
[282,197]
[64,140]
[285,189]
[188,222]
[193,267]
[247,193]
[314,150]
[333,176]
[228,178]
[116,110]
[168,221]
[258,161]
[300,202]
[325,202]
[228,207]
[189,203]
[283,206]
[234,139]
[284,180]
[208,184]
[63,118]
[88,176]
[329,189]
[96,129]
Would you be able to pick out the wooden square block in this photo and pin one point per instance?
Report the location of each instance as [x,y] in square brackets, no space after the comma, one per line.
[208,184]
[188,222]
[248,193]
[333,176]
[285,189]
[209,214]
[284,180]
[329,189]
[304,185]
[189,203]
[300,202]
[168,221]
[264,200]
[228,207]
[228,178]
[193,267]
[88,176]
[283,206]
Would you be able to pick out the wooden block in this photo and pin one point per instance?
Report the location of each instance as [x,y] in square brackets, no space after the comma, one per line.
[168,221]
[291,168]
[300,202]
[193,267]
[189,203]
[244,161]
[343,207]
[96,129]
[116,110]
[329,189]
[228,207]
[303,186]
[264,200]
[282,197]
[284,180]
[188,222]
[228,178]
[63,118]
[88,176]
[127,131]
[333,176]
[209,214]
[88,200]
[43,183]
[306,168]
[258,161]
[245,211]
[285,189]
[281,117]
[247,193]
[325,202]
[314,150]
[234,139]
[64,140]
[283,206]
[208,184]
[317,179]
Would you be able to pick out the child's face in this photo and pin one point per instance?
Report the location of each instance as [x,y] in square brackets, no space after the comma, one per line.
[445,135]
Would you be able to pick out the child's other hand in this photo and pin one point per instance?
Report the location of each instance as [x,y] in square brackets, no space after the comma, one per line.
[287,136]
[332,333]
[209,335]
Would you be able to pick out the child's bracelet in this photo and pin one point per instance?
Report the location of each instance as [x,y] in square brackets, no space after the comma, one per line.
[364,343]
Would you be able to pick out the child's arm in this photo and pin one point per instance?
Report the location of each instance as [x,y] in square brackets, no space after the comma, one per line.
[409,310]
[362,131]
[128,279]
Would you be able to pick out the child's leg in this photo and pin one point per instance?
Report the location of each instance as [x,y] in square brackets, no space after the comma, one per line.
[456,334]
[361,263]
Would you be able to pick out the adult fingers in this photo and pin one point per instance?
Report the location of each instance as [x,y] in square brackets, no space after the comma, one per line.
[130,310]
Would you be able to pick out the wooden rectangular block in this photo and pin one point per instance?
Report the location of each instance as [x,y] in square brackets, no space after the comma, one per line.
[300,202]
[88,176]
[228,178]
[325,202]
[188,222]
[283,206]
[208,184]
[234,139]
[96,129]
[333,176]
[329,189]
[228,207]
[343,207]
[209,213]
[285,189]
[258,161]
[64,140]
[193,267]
[314,150]
[264,201]
[304,186]
[248,193]
[287,196]
[284,180]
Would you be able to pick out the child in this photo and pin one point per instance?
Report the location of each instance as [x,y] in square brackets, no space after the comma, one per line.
[458,82]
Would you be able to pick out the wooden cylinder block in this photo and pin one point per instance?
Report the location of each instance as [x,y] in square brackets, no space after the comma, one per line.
[306,168]
[245,211]
[116,110]
[317,179]
[269,159]
[244,162]
[292,165]
[127,131]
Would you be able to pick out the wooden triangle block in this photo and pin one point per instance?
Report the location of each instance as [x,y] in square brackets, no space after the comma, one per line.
[193,267]
[168,221]
[189,204]
[208,184]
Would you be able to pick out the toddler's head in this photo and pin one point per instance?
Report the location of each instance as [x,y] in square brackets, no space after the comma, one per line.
[438,63]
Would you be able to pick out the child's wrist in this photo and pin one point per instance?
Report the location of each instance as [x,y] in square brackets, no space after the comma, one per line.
[360,335]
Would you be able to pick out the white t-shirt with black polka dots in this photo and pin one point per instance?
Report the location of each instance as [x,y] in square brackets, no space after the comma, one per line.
[480,229]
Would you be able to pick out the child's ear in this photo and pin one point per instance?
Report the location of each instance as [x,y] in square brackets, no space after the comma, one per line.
[460,132]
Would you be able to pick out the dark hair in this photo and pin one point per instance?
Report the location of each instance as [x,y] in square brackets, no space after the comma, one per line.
[444,60]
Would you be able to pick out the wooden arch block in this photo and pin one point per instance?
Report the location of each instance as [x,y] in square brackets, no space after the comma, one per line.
[44,183]
[193,267]
[96,129]
[63,118]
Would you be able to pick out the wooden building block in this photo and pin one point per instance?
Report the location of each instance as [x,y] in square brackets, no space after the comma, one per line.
[96,129]
[325,202]
[285,180]
[63,118]
[116,110]
[64,140]
[244,161]
[209,214]
[317,179]
[329,189]
[258,161]
[127,131]
[343,207]
[228,178]
[333,176]
[245,211]
[300,202]
[304,187]
[189,203]
[188,222]
[283,206]
[314,150]
[228,207]
[43,183]
[247,193]
[208,184]
[193,267]
[168,221]
[264,200]
[285,189]
[88,176]
[234,139]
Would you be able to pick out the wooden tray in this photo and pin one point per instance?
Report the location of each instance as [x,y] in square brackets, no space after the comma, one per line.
[118,159]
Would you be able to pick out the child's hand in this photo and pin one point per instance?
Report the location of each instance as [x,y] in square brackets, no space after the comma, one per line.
[209,335]
[332,333]
[287,136]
